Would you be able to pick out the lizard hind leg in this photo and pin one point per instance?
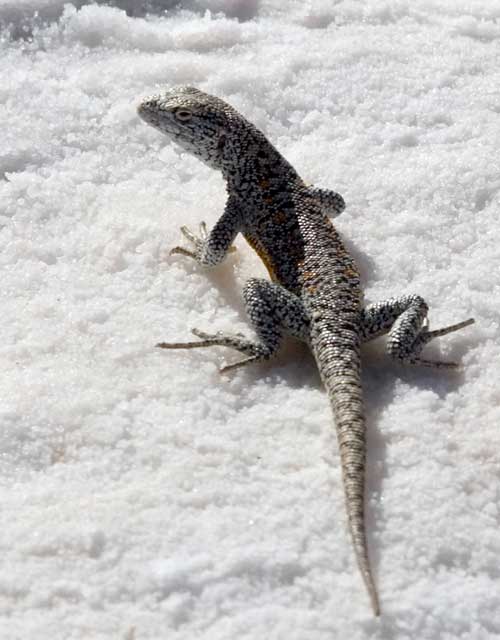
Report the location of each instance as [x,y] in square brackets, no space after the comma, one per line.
[273,312]
[405,319]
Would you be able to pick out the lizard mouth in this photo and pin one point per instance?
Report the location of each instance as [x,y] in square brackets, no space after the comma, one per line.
[149,112]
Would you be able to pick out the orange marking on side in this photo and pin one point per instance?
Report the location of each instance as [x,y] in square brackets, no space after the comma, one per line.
[266,259]
[279,217]
[350,273]
[306,276]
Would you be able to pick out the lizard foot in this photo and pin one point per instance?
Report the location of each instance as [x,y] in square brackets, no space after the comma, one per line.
[426,336]
[255,351]
[198,242]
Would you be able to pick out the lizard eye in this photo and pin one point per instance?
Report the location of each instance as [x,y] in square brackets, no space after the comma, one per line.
[183,115]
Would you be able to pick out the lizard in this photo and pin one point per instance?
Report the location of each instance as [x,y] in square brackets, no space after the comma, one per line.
[314,293]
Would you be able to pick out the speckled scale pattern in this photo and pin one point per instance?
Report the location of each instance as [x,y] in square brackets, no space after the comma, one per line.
[315,293]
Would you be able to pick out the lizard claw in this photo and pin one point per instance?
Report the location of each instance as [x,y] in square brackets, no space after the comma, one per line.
[236,365]
[197,243]
[187,233]
[436,364]
[183,252]
[202,335]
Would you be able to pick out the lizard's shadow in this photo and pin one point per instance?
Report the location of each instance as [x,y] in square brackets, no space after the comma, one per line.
[224,279]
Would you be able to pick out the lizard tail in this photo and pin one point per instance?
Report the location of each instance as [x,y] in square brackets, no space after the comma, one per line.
[342,378]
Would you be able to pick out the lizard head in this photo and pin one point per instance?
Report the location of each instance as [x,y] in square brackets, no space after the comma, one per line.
[198,122]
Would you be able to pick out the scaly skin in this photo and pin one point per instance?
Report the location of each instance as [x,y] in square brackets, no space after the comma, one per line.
[315,294]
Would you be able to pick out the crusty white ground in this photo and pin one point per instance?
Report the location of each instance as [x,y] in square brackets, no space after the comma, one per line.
[143,495]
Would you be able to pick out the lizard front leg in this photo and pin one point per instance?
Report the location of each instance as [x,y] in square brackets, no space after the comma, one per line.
[273,312]
[405,319]
[210,249]
[330,201]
